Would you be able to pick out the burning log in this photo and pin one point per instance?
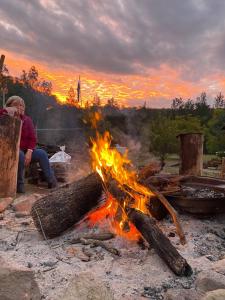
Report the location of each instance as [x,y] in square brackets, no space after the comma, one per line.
[172,211]
[146,225]
[119,194]
[67,205]
[154,236]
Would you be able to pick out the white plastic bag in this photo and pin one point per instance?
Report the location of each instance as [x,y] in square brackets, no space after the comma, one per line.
[60,157]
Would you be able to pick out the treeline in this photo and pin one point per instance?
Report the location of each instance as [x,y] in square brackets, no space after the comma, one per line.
[156,129]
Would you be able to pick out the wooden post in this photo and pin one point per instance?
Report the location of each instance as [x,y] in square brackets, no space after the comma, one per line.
[10,129]
[191,154]
[2,62]
[2,59]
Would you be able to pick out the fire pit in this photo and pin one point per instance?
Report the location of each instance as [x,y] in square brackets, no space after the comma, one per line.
[200,195]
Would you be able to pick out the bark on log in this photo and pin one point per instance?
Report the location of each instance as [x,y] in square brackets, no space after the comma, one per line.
[9,154]
[66,206]
[153,208]
[150,231]
[191,154]
[155,237]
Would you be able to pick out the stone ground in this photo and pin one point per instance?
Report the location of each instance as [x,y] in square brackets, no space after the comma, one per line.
[68,271]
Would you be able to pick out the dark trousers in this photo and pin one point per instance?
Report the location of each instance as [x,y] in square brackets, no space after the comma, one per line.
[39,156]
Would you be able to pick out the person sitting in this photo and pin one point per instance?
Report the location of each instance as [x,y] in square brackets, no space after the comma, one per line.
[15,107]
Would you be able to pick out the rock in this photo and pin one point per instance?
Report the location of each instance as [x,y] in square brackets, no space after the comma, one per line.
[215,295]
[209,280]
[180,294]
[48,263]
[4,203]
[21,214]
[85,286]
[171,234]
[24,203]
[29,265]
[219,266]
[17,281]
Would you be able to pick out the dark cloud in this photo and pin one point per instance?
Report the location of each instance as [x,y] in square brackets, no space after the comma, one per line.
[119,36]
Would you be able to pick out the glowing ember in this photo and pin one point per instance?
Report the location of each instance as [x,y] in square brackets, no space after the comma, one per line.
[109,163]
[108,212]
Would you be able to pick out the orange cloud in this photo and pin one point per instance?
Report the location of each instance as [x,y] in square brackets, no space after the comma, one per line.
[164,83]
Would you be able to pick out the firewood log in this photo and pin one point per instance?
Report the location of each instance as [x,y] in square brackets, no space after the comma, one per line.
[67,205]
[155,237]
[146,225]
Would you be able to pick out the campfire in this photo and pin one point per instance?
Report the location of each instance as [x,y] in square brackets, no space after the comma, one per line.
[111,192]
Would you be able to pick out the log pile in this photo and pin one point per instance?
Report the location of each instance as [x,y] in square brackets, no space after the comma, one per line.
[68,205]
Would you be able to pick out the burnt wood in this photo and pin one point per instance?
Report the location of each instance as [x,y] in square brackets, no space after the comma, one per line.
[67,205]
[155,237]
[146,225]
[10,129]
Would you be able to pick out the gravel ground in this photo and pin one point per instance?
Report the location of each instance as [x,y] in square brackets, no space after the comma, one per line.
[137,274]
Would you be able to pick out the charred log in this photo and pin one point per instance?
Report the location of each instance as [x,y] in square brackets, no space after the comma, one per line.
[155,237]
[155,208]
[67,205]
[146,225]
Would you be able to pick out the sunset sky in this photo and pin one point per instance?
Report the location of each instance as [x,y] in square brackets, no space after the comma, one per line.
[132,50]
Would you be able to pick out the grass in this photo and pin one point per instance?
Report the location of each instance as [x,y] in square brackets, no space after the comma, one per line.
[172,166]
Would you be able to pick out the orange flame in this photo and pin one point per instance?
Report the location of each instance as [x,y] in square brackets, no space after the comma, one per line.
[109,163]
[108,212]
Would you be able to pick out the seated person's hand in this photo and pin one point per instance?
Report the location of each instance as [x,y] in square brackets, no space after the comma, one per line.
[28,156]
[12,111]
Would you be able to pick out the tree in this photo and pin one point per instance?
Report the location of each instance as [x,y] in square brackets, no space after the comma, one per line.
[202,108]
[177,103]
[112,102]
[163,132]
[162,138]
[215,135]
[32,76]
[24,77]
[45,87]
[71,98]
[189,107]
[96,100]
[219,101]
